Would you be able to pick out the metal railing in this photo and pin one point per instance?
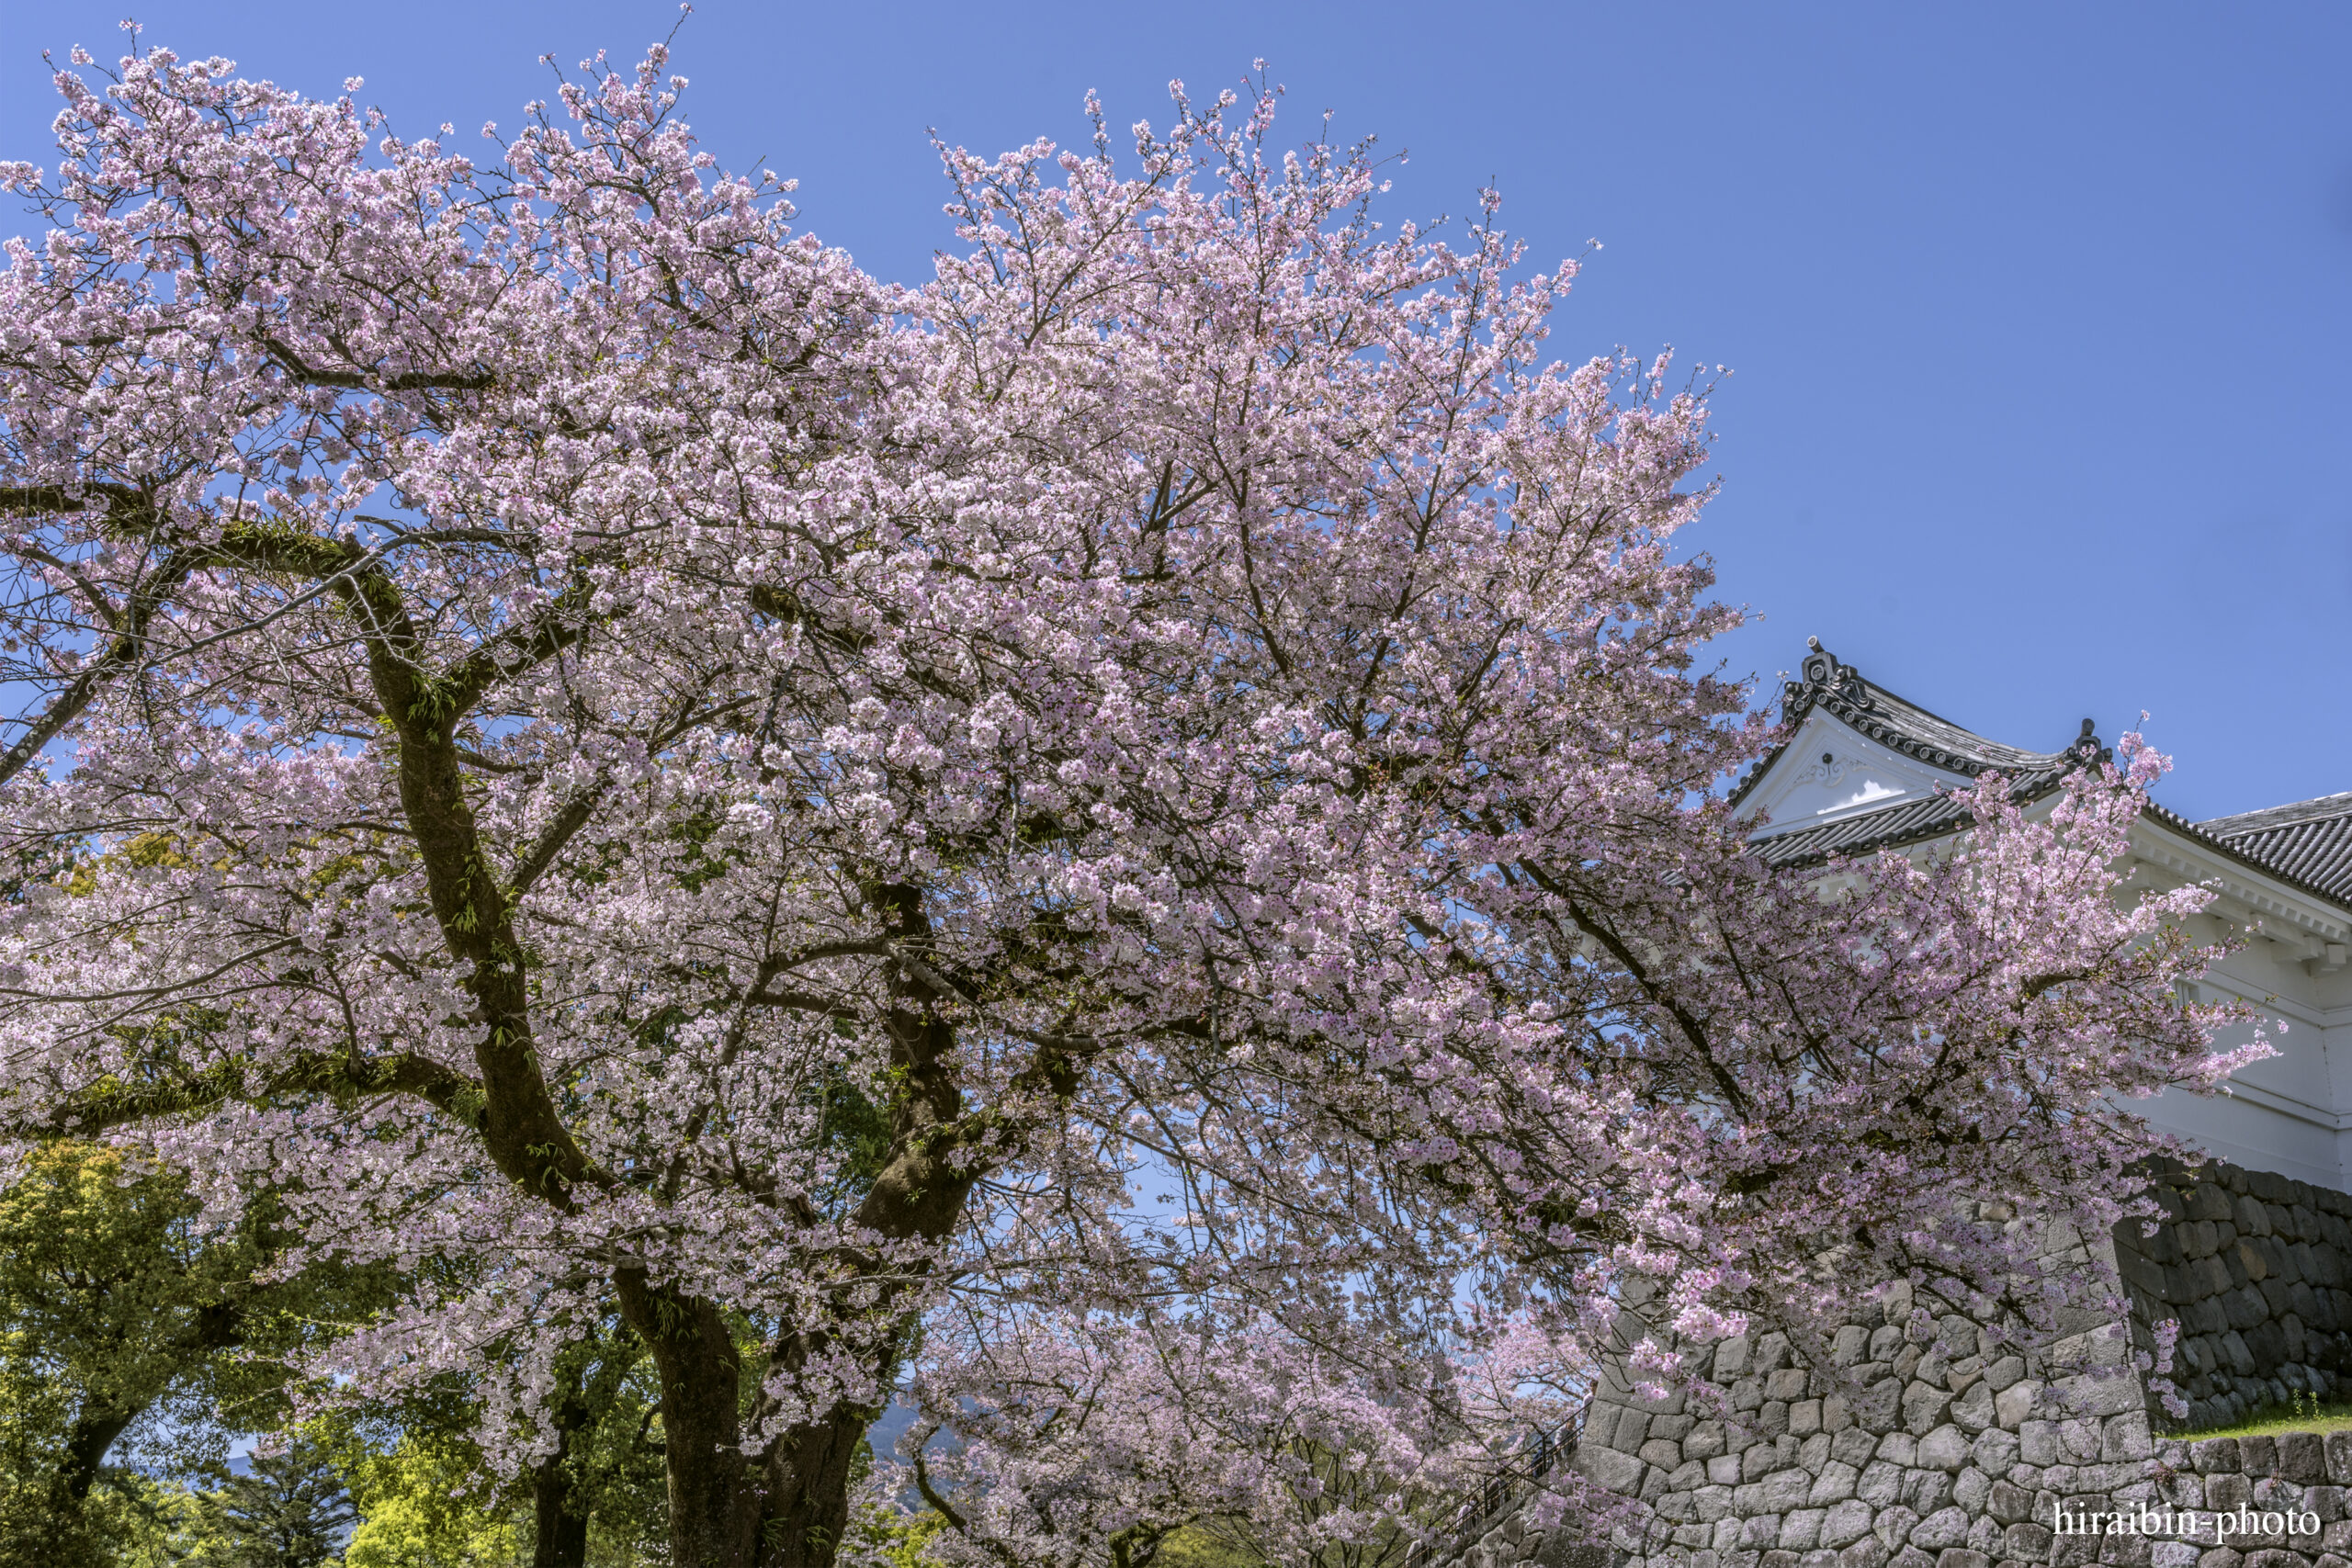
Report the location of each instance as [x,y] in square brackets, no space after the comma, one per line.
[1544,1448]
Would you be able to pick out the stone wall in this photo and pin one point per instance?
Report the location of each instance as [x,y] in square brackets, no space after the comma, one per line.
[2254,1268]
[2295,1473]
[1954,1451]
[1925,1467]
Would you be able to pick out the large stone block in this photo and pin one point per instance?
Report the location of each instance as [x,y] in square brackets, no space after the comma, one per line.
[2027,1541]
[2125,1437]
[1925,1406]
[1846,1523]
[2225,1493]
[2303,1457]
[1927,1491]
[2079,1439]
[1996,1452]
[2125,1550]
[2244,1307]
[1801,1531]
[1945,1527]
[1565,1549]
[1836,1485]
[2038,1442]
[2108,1392]
[1943,1448]
[1609,1467]
[1880,1484]
[2014,1403]
[1854,1446]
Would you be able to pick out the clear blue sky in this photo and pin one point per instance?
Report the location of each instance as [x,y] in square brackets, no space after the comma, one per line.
[2037,314]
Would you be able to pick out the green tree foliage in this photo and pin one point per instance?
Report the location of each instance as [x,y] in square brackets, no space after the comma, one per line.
[111,1305]
[289,1510]
[423,1505]
[123,1317]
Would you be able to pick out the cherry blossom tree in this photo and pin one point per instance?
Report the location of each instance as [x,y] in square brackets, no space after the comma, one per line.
[1092,1440]
[566,728]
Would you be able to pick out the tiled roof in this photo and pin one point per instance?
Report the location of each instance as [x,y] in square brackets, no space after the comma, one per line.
[2309,841]
[2307,845]
[1874,711]
[1869,830]
[1906,728]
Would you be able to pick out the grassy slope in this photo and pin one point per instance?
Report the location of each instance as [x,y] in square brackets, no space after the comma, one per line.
[2311,1418]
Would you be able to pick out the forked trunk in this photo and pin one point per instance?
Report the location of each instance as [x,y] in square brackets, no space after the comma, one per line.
[785,1511]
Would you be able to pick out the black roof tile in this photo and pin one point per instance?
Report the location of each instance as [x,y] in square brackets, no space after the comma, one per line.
[1872,710]
[2308,841]
[2307,845]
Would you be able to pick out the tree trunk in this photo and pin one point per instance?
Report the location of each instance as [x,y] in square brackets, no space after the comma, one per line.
[87,1446]
[787,1507]
[714,1502]
[805,1478]
[559,1503]
[806,1506]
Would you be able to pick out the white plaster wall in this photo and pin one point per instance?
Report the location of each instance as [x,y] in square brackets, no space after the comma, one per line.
[2291,1114]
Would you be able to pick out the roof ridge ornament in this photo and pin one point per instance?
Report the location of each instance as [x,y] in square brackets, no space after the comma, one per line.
[2086,746]
[1824,676]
